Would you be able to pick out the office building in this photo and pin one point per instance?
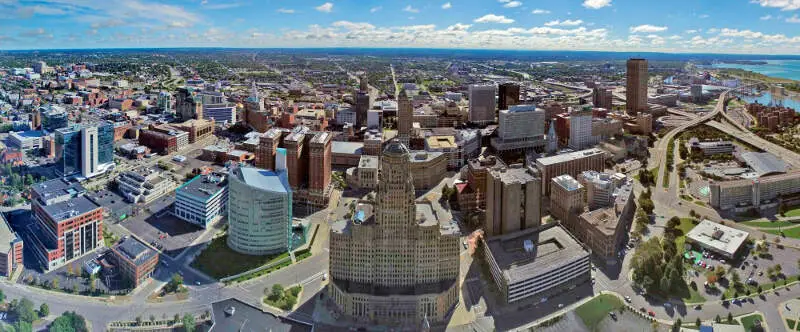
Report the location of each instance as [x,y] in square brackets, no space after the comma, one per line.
[580,130]
[67,225]
[187,105]
[68,151]
[566,199]
[536,263]
[346,115]
[719,239]
[482,103]
[636,79]
[396,262]
[164,140]
[134,260]
[446,145]
[86,150]
[40,67]
[602,97]
[507,95]
[26,140]
[202,199]
[164,102]
[11,246]
[600,187]
[405,114]
[89,149]
[520,128]
[222,113]
[143,184]
[572,163]
[760,193]
[53,117]
[605,228]
[363,101]
[259,211]
[711,147]
[513,199]
[428,168]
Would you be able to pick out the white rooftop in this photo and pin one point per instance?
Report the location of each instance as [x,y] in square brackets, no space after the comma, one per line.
[717,236]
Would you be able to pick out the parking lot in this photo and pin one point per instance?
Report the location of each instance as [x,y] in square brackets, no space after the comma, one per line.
[164,231]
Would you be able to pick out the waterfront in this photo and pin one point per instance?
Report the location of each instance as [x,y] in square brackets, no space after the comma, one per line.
[766,99]
[789,69]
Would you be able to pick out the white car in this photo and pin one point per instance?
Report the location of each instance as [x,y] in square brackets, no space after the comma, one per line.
[324,276]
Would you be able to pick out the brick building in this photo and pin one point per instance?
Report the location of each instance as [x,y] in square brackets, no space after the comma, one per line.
[134,261]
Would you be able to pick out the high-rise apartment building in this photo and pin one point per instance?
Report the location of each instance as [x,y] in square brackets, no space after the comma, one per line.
[405,114]
[636,86]
[508,95]
[86,150]
[482,103]
[513,199]
[259,211]
[395,263]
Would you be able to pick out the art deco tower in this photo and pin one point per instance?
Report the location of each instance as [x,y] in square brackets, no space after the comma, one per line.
[395,262]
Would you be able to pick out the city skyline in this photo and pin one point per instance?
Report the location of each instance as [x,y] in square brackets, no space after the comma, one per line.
[749,27]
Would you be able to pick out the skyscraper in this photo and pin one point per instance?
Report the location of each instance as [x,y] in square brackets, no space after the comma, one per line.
[513,199]
[405,115]
[636,86]
[482,103]
[259,211]
[508,95]
[68,151]
[396,262]
[602,97]
[363,102]
[580,129]
[89,149]
[187,105]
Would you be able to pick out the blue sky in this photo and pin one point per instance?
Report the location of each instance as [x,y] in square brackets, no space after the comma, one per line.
[715,26]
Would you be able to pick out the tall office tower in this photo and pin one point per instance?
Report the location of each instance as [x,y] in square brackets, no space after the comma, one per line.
[513,199]
[68,151]
[319,172]
[89,149]
[296,157]
[566,200]
[187,105]
[580,129]
[520,128]
[363,83]
[405,116]
[482,103]
[363,102]
[395,263]
[602,97]
[164,102]
[636,86]
[508,95]
[267,146]
[105,142]
[552,138]
[259,211]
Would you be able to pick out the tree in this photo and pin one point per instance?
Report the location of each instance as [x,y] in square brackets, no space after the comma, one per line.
[152,318]
[677,325]
[188,323]
[44,310]
[2,296]
[22,326]
[717,319]
[175,318]
[673,222]
[719,271]
[174,283]
[730,318]
[698,322]
[69,270]
[24,310]
[138,320]
[68,321]
[54,283]
[277,292]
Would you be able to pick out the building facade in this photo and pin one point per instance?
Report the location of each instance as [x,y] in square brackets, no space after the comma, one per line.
[259,211]
[508,95]
[396,263]
[636,86]
[482,103]
[202,199]
[520,128]
[513,199]
[11,246]
[134,261]
[572,163]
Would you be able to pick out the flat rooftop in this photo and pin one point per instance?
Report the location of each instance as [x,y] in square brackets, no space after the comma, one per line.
[764,163]
[6,235]
[347,147]
[561,158]
[57,187]
[441,142]
[249,319]
[368,162]
[263,179]
[74,207]
[514,174]
[553,247]
[567,182]
[203,186]
[717,236]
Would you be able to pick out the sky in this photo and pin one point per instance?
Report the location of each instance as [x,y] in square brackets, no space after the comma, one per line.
[704,26]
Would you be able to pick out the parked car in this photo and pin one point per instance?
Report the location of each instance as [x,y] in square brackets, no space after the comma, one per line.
[651,313]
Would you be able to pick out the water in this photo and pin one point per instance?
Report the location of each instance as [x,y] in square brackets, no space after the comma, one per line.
[766,98]
[776,68]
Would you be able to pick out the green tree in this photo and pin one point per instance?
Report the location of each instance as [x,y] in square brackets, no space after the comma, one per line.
[730,318]
[174,283]
[176,318]
[276,293]
[677,326]
[673,222]
[44,310]
[24,310]
[188,323]
[717,319]
[698,322]
[54,283]
[23,326]
[2,296]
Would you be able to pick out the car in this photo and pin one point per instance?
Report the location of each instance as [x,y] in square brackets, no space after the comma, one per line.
[651,313]
[667,305]
[760,273]
[698,307]
[787,307]
[324,276]
[560,305]
[613,315]
[628,299]
[642,309]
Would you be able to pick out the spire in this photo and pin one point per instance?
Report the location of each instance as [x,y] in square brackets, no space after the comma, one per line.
[552,138]
[253,90]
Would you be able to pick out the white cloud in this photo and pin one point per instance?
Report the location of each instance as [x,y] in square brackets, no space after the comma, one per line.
[675,37]
[740,33]
[447,5]
[691,32]
[703,16]
[285,11]
[540,11]
[512,4]
[325,7]
[793,19]
[179,24]
[353,25]
[459,27]
[410,9]
[492,18]
[375,9]
[765,17]
[564,23]
[784,5]
[646,28]
[596,4]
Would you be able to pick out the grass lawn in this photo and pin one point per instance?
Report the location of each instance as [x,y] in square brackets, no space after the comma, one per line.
[592,312]
[693,297]
[793,232]
[791,323]
[764,287]
[793,212]
[749,321]
[768,224]
[684,227]
[219,261]
[285,299]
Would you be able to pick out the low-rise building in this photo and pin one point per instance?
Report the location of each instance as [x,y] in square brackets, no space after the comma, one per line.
[604,229]
[427,168]
[134,261]
[723,240]
[11,246]
[566,200]
[367,172]
[143,184]
[26,140]
[711,147]
[536,263]
[202,199]
[446,145]
[761,193]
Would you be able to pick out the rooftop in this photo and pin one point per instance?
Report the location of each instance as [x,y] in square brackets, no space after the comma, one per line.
[7,234]
[29,134]
[134,250]
[567,182]
[562,158]
[249,319]
[515,173]
[441,142]
[368,162]
[74,207]
[57,187]
[552,247]
[764,163]
[717,236]
[347,147]
[203,186]
[263,179]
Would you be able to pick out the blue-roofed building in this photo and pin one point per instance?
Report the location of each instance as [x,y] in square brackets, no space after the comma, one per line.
[259,211]
[202,199]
